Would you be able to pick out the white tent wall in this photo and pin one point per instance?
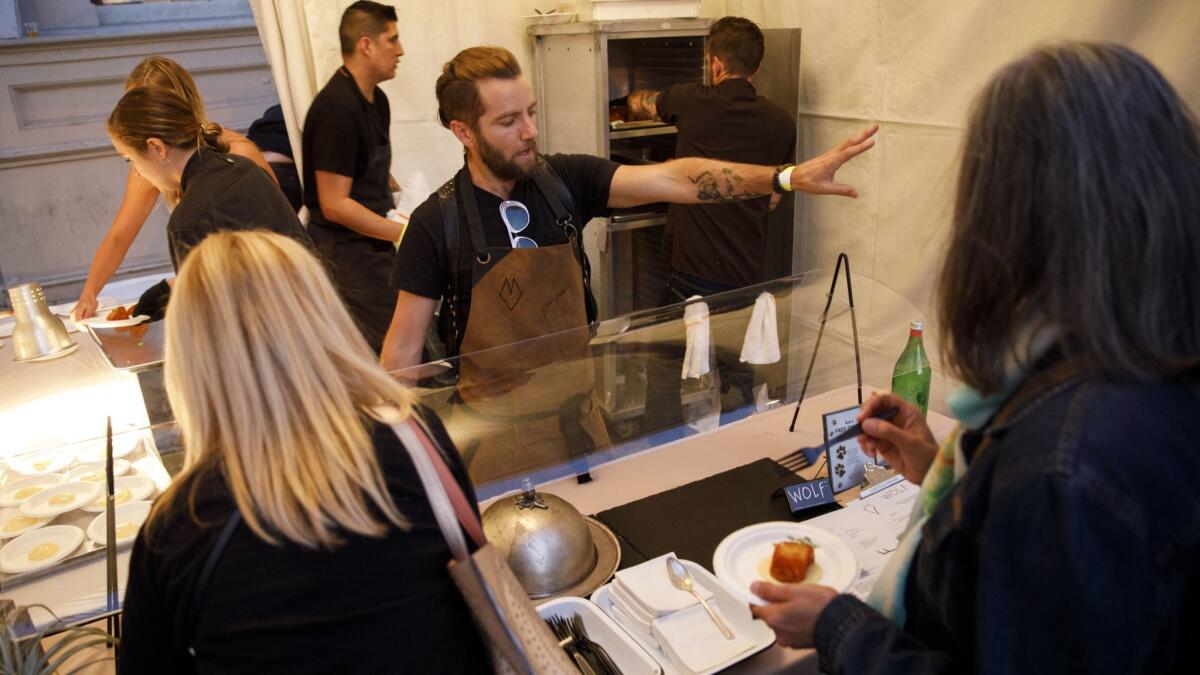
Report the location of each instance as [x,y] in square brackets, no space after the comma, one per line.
[912,65]
[432,33]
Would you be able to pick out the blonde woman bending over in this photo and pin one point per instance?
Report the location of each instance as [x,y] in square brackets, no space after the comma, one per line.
[140,194]
[323,553]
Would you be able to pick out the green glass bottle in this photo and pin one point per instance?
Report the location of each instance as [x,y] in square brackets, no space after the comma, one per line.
[912,374]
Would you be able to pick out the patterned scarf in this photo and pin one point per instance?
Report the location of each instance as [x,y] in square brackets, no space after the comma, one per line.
[949,465]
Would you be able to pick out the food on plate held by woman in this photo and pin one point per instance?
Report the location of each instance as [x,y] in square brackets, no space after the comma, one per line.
[791,560]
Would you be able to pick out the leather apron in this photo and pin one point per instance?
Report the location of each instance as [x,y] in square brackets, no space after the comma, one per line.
[526,377]
[361,265]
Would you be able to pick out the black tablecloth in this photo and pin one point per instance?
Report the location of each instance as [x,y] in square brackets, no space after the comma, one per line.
[692,519]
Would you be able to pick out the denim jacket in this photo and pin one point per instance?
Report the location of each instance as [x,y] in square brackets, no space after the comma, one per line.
[1071,545]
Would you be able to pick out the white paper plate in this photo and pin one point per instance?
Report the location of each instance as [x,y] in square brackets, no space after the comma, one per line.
[131,514]
[123,445]
[25,524]
[63,540]
[94,473]
[732,608]
[630,657]
[59,499]
[738,560]
[98,319]
[51,461]
[11,494]
[126,489]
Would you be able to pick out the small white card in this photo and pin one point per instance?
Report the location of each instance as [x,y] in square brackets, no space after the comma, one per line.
[846,459]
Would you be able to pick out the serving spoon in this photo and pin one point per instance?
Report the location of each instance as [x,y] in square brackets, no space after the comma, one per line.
[682,579]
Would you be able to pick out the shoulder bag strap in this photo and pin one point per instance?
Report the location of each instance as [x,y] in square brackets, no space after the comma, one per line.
[450,506]
[206,572]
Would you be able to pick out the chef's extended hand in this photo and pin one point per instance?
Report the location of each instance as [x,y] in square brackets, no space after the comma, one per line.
[816,176]
[906,442]
[153,302]
[792,611]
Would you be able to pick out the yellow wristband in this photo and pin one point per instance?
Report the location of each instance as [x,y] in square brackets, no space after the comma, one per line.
[785,178]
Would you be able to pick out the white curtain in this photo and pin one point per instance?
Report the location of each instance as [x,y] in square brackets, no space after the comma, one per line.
[283,28]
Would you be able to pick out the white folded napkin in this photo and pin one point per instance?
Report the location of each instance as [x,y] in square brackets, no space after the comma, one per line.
[693,642]
[631,606]
[629,615]
[761,345]
[649,587]
[695,356]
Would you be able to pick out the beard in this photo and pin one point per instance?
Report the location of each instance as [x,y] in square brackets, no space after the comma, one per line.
[504,168]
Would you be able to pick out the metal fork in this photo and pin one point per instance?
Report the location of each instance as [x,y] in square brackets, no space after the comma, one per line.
[566,640]
[593,648]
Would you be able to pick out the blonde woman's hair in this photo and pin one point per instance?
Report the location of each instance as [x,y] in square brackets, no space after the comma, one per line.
[273,386]
[161,72]
[152,112]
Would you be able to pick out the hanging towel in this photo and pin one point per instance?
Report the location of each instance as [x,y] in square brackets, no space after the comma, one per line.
[695,357]
[761,345]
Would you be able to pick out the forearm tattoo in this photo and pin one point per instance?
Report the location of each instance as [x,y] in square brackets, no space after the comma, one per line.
[721,185]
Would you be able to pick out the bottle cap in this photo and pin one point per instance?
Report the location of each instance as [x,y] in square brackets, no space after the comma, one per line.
[918,325]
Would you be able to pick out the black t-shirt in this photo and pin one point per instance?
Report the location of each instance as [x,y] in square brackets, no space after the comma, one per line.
[340,129]
[227,192]
[371,606]
[422,266]
[724,243]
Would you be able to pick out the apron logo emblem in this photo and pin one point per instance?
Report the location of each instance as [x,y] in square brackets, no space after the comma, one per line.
[511,293]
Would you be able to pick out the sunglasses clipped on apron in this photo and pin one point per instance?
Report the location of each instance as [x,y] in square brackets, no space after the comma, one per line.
[526,378]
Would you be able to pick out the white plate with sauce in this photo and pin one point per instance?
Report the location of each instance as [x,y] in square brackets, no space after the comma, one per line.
[14,524]
[19,490]
[129,517]
[124,444]
[59,499]
[40,549]
[94,473]
[42,462]
[125,489]
[745,557]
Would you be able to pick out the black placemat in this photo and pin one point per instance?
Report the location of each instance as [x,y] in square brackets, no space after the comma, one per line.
[692,519]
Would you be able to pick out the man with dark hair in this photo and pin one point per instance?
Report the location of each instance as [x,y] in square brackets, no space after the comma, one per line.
[717,247]
[347,158]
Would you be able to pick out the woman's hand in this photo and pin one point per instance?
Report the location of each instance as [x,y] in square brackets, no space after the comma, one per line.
[906,442]
[792,611]
[86,307]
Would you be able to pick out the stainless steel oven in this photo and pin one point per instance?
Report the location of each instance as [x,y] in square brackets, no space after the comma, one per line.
[580,71]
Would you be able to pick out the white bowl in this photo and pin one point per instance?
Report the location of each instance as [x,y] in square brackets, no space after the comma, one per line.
[59,499]
[51,461]
[129,513]
[125,489]
[123,444]
[94,473]
[18,555]
[12,517]
[16,491]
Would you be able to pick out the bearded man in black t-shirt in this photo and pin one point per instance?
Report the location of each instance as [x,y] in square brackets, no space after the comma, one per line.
[488,105]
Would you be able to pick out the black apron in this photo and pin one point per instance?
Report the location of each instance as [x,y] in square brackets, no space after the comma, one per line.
[362,265]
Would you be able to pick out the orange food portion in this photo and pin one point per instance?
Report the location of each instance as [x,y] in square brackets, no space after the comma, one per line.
[790,561]
[120,313]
